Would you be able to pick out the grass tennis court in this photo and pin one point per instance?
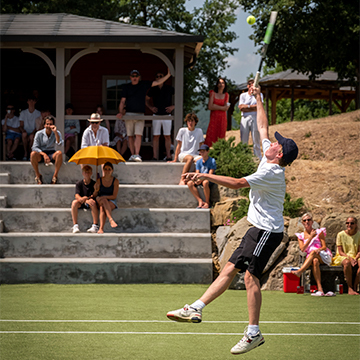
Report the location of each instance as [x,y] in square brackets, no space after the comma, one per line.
[129,322]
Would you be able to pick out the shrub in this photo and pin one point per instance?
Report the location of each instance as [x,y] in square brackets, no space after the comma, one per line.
[292,208]
[235,161]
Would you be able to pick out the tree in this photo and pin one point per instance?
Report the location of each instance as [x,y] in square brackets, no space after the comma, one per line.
[311,36]
[212,20]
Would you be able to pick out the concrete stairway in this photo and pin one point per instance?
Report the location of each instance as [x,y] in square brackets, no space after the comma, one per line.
[161,237]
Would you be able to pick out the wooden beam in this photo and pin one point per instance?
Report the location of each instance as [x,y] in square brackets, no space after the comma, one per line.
[292,104]
[273,107]
[267,102]
[330,102]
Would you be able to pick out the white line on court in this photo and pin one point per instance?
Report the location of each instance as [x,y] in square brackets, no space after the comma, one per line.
[157,333]
[167,321]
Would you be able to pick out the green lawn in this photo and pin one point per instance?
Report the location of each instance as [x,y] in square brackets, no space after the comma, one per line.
[134,324]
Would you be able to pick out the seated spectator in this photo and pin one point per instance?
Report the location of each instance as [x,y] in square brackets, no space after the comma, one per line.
[101,111]
[120,140]
[313,243]
[84,200]
[72,128]
[106,190]
[11,128]
[43,150]
[27,124]
[39,121]
[189,141]
[348,253]
[205,165]
[94,134]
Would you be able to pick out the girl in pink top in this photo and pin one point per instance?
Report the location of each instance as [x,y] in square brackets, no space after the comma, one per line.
[313,243]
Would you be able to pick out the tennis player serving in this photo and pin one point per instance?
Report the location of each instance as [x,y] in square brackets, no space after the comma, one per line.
[266,215]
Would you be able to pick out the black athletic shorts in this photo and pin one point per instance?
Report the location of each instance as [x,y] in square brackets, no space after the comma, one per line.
[255,250]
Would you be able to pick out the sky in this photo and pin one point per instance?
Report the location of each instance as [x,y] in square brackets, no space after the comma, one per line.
[244,61]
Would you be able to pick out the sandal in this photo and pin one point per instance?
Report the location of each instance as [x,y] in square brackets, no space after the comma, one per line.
[54,180]
[39,180]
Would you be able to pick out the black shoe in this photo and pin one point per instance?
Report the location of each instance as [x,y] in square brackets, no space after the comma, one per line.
[153,159]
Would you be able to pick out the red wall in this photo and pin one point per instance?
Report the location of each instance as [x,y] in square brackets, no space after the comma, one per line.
[87,72]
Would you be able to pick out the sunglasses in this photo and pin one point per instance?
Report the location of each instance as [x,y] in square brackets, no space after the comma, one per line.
[159,76]
[350,223]
[95,122]
[9,108]
[134,76]
[306,220]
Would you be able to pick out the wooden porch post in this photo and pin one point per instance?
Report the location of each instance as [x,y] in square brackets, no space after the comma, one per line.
[179,89]
[267,95]
[60,92]
[330,102]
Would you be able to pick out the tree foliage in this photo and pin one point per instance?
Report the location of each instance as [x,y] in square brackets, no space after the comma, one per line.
[310,36]
[212,21]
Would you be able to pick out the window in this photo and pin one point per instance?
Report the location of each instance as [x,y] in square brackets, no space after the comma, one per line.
[112,88]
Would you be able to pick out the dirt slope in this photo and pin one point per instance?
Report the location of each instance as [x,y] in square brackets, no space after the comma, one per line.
[327,172]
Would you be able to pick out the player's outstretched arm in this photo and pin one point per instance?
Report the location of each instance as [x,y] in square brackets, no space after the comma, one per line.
[227,181]
[262,121]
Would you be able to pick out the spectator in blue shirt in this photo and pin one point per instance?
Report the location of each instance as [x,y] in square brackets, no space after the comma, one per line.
[205,165]
[43,149]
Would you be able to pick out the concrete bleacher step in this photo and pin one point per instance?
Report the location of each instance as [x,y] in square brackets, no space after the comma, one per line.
[145,220]
[4,178]
[129,196]
[105,270]
[21,172]
[3,201]
[125,245]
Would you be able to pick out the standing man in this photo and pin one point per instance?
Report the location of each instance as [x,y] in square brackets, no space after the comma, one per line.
[43,149]
[162,100]
[133,98]
[247,106]
[28,125]
[266,214]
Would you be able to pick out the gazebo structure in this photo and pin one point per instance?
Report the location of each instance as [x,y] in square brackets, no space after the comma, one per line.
[293,85]
[69,58]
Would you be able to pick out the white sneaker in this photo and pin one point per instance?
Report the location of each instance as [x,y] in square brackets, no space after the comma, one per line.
[75,229]
[186,314]
[137,158]
[132,158]
[247,343]
[94,229]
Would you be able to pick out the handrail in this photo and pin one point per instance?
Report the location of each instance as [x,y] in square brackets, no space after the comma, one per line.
[125,117]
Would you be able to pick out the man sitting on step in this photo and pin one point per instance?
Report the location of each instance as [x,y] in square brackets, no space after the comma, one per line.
[84,200]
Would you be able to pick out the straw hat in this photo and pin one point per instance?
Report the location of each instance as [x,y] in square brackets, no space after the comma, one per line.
[95,118]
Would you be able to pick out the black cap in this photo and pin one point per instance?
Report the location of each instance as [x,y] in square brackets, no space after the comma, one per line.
[290,149]
[69,106]
[134,72]
[204,147]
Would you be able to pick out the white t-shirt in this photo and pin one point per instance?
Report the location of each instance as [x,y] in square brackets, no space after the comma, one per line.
[247,99]
[29,119]
[190,140]
[89,139]
[267,195]
[14,122]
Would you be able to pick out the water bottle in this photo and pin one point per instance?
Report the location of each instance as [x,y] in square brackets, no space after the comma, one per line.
[337,285]
[307,283]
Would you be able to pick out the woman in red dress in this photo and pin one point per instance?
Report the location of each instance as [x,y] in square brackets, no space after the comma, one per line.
[218,105]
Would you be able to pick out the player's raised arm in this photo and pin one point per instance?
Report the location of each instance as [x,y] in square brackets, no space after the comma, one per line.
[261,119]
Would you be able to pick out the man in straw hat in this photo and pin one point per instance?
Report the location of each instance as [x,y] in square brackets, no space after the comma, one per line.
[95,134]
[266,214]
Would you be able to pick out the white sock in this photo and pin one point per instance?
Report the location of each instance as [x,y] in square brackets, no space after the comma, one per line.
[252,329]
[198,305]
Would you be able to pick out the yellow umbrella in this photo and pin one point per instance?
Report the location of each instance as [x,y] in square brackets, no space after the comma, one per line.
[96,155]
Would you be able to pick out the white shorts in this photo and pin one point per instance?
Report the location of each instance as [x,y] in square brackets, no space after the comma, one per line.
[181,157]
[134,127]
[166,124]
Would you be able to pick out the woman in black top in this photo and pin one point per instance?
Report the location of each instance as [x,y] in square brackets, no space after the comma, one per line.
[106,190]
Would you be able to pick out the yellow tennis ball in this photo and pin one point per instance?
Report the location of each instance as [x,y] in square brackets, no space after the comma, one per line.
[250,20]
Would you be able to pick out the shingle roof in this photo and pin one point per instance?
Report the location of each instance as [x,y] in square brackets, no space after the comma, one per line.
[68,27]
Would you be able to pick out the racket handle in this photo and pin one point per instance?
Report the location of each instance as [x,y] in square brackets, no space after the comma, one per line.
[257,77]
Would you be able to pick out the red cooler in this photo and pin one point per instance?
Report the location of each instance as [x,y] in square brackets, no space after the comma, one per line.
[291,281]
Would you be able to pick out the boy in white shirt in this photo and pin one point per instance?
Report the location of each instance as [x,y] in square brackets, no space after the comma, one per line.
[11,126]
[189,141]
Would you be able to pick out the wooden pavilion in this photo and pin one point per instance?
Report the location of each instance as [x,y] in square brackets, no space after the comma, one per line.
[293,85]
